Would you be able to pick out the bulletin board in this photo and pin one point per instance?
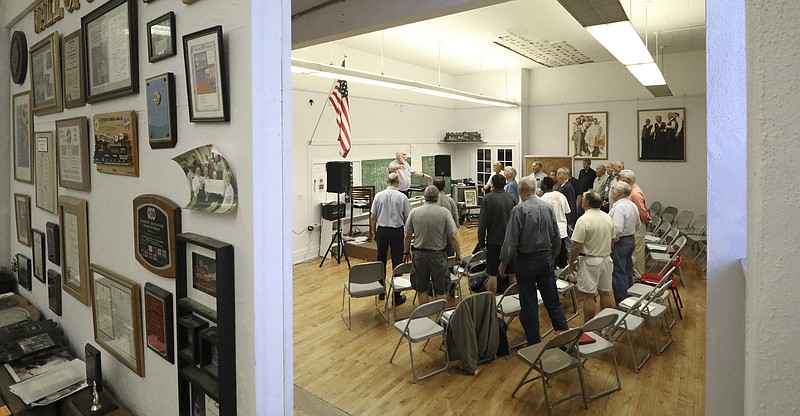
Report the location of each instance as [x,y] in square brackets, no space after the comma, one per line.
[549,163]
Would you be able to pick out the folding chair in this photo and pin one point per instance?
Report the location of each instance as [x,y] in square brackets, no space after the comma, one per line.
[653,311]
[556,356]
[565,285]
[654,209]
[473,266]
[419,327]
[598,347]
[651,279]
[659,233]
[400,282]
[665,242]
[695,226]
[508,307]
[669,214]
[364,280]
[669,256]
[454,277]
[684,219]
[627,324]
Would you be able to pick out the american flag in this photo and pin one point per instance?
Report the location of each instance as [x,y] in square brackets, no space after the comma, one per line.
[341,104]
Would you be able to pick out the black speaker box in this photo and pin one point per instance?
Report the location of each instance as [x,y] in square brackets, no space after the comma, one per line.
[441,165]
[340,176]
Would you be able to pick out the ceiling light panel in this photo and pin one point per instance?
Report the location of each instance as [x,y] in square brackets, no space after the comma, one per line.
[543,52]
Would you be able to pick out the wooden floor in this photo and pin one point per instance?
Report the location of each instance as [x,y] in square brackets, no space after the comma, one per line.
[348,371]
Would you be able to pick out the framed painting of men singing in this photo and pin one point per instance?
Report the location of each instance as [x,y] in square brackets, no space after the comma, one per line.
[587,135]
[662,135]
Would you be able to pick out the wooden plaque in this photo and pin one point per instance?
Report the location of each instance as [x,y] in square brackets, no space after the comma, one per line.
[116,148]
[156,220]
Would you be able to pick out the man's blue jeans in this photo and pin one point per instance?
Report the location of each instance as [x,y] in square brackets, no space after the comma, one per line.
[622,277]
[535,271]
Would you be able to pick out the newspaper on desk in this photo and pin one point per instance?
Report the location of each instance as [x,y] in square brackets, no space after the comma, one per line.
[45,388]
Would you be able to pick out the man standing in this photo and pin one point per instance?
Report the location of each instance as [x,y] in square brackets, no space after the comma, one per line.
[511,181]
[537,174]
[648,135]
[497,169]
[625,216]
[680,151]
[587,175]
[660,145]
[445,201]
[637,197]
[389,211]
[616,167]
[495,211]
[404,172]
[601,185]
[430,226]
[532,240]
[558,202]
[591,246]
[566,188]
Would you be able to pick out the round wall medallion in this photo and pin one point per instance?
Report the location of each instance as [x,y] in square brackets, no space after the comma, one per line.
[18,57]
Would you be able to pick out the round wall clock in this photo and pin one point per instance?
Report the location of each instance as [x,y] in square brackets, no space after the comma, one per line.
[18,57]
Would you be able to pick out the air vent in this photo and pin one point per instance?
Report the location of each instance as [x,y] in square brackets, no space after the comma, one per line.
[543,52]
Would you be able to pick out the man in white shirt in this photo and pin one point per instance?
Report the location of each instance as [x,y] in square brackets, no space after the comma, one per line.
[389,212]
[616,167]
[537,174]
[625,215]
[404,172]
[558,201]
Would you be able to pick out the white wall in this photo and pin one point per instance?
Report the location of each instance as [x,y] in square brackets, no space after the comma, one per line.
[110,200]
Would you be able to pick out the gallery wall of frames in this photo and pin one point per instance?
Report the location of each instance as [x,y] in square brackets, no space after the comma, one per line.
[129,123]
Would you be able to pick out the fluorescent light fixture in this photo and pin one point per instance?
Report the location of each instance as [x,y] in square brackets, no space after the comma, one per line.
[353,75]
[622,40]
[647,74]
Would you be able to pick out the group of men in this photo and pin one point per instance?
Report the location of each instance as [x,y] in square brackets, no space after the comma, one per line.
[664,139]
[529,228]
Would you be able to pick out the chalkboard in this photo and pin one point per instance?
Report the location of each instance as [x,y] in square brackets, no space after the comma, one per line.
[374,172]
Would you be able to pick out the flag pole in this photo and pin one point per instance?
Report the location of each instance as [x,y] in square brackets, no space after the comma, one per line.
[324,106]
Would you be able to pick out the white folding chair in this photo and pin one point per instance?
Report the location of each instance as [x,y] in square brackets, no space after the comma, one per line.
[420,327]
[598,347]
[364,280]
[628,324]
[400,282]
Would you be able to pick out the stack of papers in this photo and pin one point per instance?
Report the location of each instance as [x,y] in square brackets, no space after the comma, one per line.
[64,376]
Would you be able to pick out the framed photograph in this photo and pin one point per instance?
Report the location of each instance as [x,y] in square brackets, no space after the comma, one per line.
[206,75]
[24,271]
[72,154]
[116,148]
[74,227]
[161,37]
[117,317]
[23,135]
[162,120]
[156,220]
[46,177]
[22,207]
[158,320]
[587,135]
[211,180]
[73,70]
[111,52]
[205,269]
[39,267]
[54,291]
[471,197]
[45,60]
[662,135]
[53,244]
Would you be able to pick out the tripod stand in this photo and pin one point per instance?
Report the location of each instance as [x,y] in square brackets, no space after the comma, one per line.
[337,239]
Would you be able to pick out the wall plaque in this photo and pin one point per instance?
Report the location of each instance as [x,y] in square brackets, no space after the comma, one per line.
[116,149]
[155,222]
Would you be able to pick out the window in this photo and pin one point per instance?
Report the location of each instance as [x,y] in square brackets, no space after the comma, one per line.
[506,156]
[484,165]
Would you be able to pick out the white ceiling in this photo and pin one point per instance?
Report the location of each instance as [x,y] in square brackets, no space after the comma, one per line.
[466,40]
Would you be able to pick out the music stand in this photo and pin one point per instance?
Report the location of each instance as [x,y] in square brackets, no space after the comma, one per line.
[338,239]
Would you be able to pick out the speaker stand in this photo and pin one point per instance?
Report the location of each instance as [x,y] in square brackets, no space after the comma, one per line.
[339,240]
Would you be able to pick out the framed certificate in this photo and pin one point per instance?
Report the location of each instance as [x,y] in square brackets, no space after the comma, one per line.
[161,37]
[110,45]
[73,70]
[22,208]
[116,148]
[72,146]
[117,317]
[45,59]
[158,320]
[23,135]
[74,227]
[46,176]
[155,222]
[206,75]
[39,266]
[162,121]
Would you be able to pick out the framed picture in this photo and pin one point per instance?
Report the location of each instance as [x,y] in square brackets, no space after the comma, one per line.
[111,52]
[162,120]
[206,75]
[158,320]
[45,60]
[24,271]
[53,244]
[205,266]
[72,156]
[72,47]
[662,135]
[22,207]
[74,227]
[22,134]
[116,148]
[211,180]
[587,135]
[39,267]
[117,317]
[46,177]
[161,37]
[471,197]
[54,291]
[155,222]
